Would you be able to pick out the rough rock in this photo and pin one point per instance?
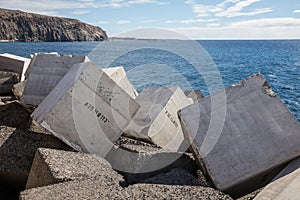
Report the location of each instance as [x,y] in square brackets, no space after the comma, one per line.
[27,27]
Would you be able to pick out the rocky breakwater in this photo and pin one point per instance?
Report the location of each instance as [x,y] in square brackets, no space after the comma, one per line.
[28,27]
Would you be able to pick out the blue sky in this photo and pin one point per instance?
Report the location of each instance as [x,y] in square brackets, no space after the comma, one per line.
[196,19]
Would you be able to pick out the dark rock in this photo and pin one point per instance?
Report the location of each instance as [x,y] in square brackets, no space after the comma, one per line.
[21,26]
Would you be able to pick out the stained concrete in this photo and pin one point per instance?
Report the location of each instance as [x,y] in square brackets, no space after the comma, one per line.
[7,80]
[98,189]
[18,145]
[18,89]
[13,63]
[118,75]
[195,95]
[54,166]
[87,110]
[157,121]
[44,73]
[258,137]
[285,186]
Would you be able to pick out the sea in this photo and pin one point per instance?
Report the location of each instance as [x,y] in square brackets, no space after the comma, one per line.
[208,65]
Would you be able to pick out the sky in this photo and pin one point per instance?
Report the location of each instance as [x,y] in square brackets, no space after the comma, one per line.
[195,19]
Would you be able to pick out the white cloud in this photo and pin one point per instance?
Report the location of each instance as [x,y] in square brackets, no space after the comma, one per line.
[44,7]
[269,22]
[296,11]
[80,12]
[189,21]
[265,28]
[123,22]
[223,10]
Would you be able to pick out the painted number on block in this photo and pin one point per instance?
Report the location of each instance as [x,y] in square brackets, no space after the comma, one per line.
[171,118]
[93,109]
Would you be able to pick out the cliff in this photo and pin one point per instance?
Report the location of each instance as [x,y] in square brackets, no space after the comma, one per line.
[29,27]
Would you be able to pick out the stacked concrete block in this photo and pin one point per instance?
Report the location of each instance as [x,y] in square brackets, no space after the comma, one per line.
[86,109]
[18,89]
[13,63]
[118,75]
[43,74]
[242,136]
[157,120]
[95,188]
[286,185]
[18,146]
[194,95]
[136,165]
[7,80]
[54,166]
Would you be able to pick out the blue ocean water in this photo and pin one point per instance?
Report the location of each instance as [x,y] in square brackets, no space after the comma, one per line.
[150,63]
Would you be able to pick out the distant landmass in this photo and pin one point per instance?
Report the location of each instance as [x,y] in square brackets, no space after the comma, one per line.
[28,27]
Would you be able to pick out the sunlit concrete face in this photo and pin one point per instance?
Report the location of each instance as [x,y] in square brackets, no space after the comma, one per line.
[118,75]
[87,109]
[157,120]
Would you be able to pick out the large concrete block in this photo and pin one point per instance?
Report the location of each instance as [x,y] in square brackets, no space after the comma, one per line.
[43,74]
[54,166]
[195,95]
[18,89]
[18,145]
[137,165]
[285,186]
[241,140]
[157,121]
[86,109]
[99,189]
[13,63]
[7,80]
[118,75]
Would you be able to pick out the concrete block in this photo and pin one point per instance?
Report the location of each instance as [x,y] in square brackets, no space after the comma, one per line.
[118,75]
[18,89]
[17,149]
[52,166]
[98,189]
[7,80]
[195,95]
[13,63]
[157,121]
[136,166]
[86,109]
[44,72]
[285,185]
[259,135]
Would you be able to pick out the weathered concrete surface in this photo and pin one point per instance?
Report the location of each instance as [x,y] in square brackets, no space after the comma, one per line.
[54,166]
[18,89]
[98,189]
[136,166]
[195,95]
[258,137]
[7,80]
[118,75]
[43,74]
[157,121]
[285,186]
[18,145]
[13,63]
[86,109]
